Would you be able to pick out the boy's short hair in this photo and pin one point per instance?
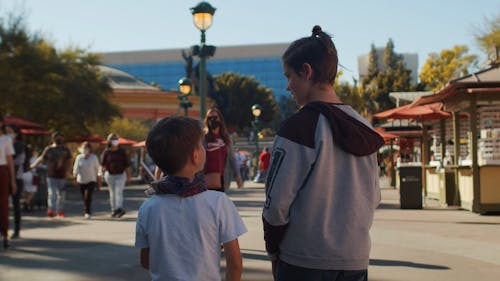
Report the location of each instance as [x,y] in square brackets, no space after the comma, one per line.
[171,142]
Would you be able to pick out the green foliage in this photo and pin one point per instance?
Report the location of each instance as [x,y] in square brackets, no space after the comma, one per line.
[488,37]
[126,128]
[356,98]
[440,68]
[239,94]
[373,66]
[59,89]
[381,80]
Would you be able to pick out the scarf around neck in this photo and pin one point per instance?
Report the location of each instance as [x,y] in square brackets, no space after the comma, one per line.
[180,186]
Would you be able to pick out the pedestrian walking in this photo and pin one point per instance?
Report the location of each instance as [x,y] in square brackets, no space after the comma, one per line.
[19,158]
[220,157]
[323,188]
[30,179]
[180,229]
[58,159]
[7,180]
[241,160]
[86,170]
[116,169]
[264,160]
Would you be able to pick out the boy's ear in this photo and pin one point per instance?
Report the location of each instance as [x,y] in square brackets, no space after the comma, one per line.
[194,157]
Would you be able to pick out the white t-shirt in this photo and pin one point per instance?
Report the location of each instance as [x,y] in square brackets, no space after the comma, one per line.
[6,148]
[28,185]
[86,170]
[184,234]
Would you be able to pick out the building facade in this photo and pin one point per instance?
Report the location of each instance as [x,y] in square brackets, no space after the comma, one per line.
[138,100]
[166,67]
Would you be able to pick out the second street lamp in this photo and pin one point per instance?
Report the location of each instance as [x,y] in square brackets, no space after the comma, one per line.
[256,111]
[185,91]
[202,18]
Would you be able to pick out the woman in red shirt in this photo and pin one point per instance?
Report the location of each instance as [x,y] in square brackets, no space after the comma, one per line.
[220,155]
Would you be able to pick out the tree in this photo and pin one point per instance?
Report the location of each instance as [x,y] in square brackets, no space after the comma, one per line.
[440,68]
[381,80]
[240,93]
[373,67]
[127,128]
[354,96]
[488,37]
[62,90]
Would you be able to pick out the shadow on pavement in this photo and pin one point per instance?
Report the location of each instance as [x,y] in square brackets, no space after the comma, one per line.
[388,206]
[249,204]
[254,254]
[379,262]
[88,259]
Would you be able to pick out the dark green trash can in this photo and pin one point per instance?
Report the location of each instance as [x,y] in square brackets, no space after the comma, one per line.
[410,187]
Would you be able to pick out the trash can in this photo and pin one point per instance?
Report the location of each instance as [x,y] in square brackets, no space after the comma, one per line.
[410,187]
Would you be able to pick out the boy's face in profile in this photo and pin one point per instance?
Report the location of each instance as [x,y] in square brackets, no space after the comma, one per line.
[199,156]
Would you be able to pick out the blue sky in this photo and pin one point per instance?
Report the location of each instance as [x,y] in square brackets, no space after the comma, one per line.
[421,27]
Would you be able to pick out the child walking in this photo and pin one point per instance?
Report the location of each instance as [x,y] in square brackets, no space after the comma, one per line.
[180,229]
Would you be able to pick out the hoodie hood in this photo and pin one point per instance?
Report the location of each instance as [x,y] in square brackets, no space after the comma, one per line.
[350,134]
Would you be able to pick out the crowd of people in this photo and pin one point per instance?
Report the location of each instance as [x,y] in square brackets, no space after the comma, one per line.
[20,167]
[321,177]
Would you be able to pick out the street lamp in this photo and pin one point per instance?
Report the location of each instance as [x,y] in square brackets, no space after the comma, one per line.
[202,18]
[185,91]
[256,111]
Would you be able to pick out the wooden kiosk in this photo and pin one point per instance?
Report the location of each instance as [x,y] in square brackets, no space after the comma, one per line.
[476,172]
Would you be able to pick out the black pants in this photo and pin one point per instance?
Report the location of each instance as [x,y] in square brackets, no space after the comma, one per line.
[16,202]
[288,272]
[87,189]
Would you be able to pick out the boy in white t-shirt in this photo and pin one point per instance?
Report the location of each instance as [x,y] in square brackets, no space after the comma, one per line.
[181,228]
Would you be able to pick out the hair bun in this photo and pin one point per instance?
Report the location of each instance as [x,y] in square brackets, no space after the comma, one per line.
[316,30]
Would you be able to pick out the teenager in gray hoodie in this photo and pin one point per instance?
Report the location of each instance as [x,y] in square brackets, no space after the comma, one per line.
[322,187]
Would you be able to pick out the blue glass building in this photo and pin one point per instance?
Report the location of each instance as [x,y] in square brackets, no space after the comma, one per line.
[166,67]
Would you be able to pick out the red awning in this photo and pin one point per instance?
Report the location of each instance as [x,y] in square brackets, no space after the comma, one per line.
[93,138]
[417,112]
[21,123]
[390,112]
[35,132]
[140,144]
[384,134]
[122,141]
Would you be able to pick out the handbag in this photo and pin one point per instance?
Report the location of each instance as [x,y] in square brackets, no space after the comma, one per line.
[213,180]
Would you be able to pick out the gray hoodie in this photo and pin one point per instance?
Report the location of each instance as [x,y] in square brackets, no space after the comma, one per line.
[322,189]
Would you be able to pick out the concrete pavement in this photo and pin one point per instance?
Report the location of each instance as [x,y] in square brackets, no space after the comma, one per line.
[431,244]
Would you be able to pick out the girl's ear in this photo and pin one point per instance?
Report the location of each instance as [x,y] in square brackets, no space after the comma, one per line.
[308,71]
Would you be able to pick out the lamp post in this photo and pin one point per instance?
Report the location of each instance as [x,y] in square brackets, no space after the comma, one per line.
[256,111]
[202,18]
[185,91]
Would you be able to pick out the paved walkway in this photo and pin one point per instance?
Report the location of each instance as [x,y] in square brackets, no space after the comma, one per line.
[429,244]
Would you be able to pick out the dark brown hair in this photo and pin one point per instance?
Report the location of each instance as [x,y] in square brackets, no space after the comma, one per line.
[317,50]
[87,145]
[171,142]
[209,136]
